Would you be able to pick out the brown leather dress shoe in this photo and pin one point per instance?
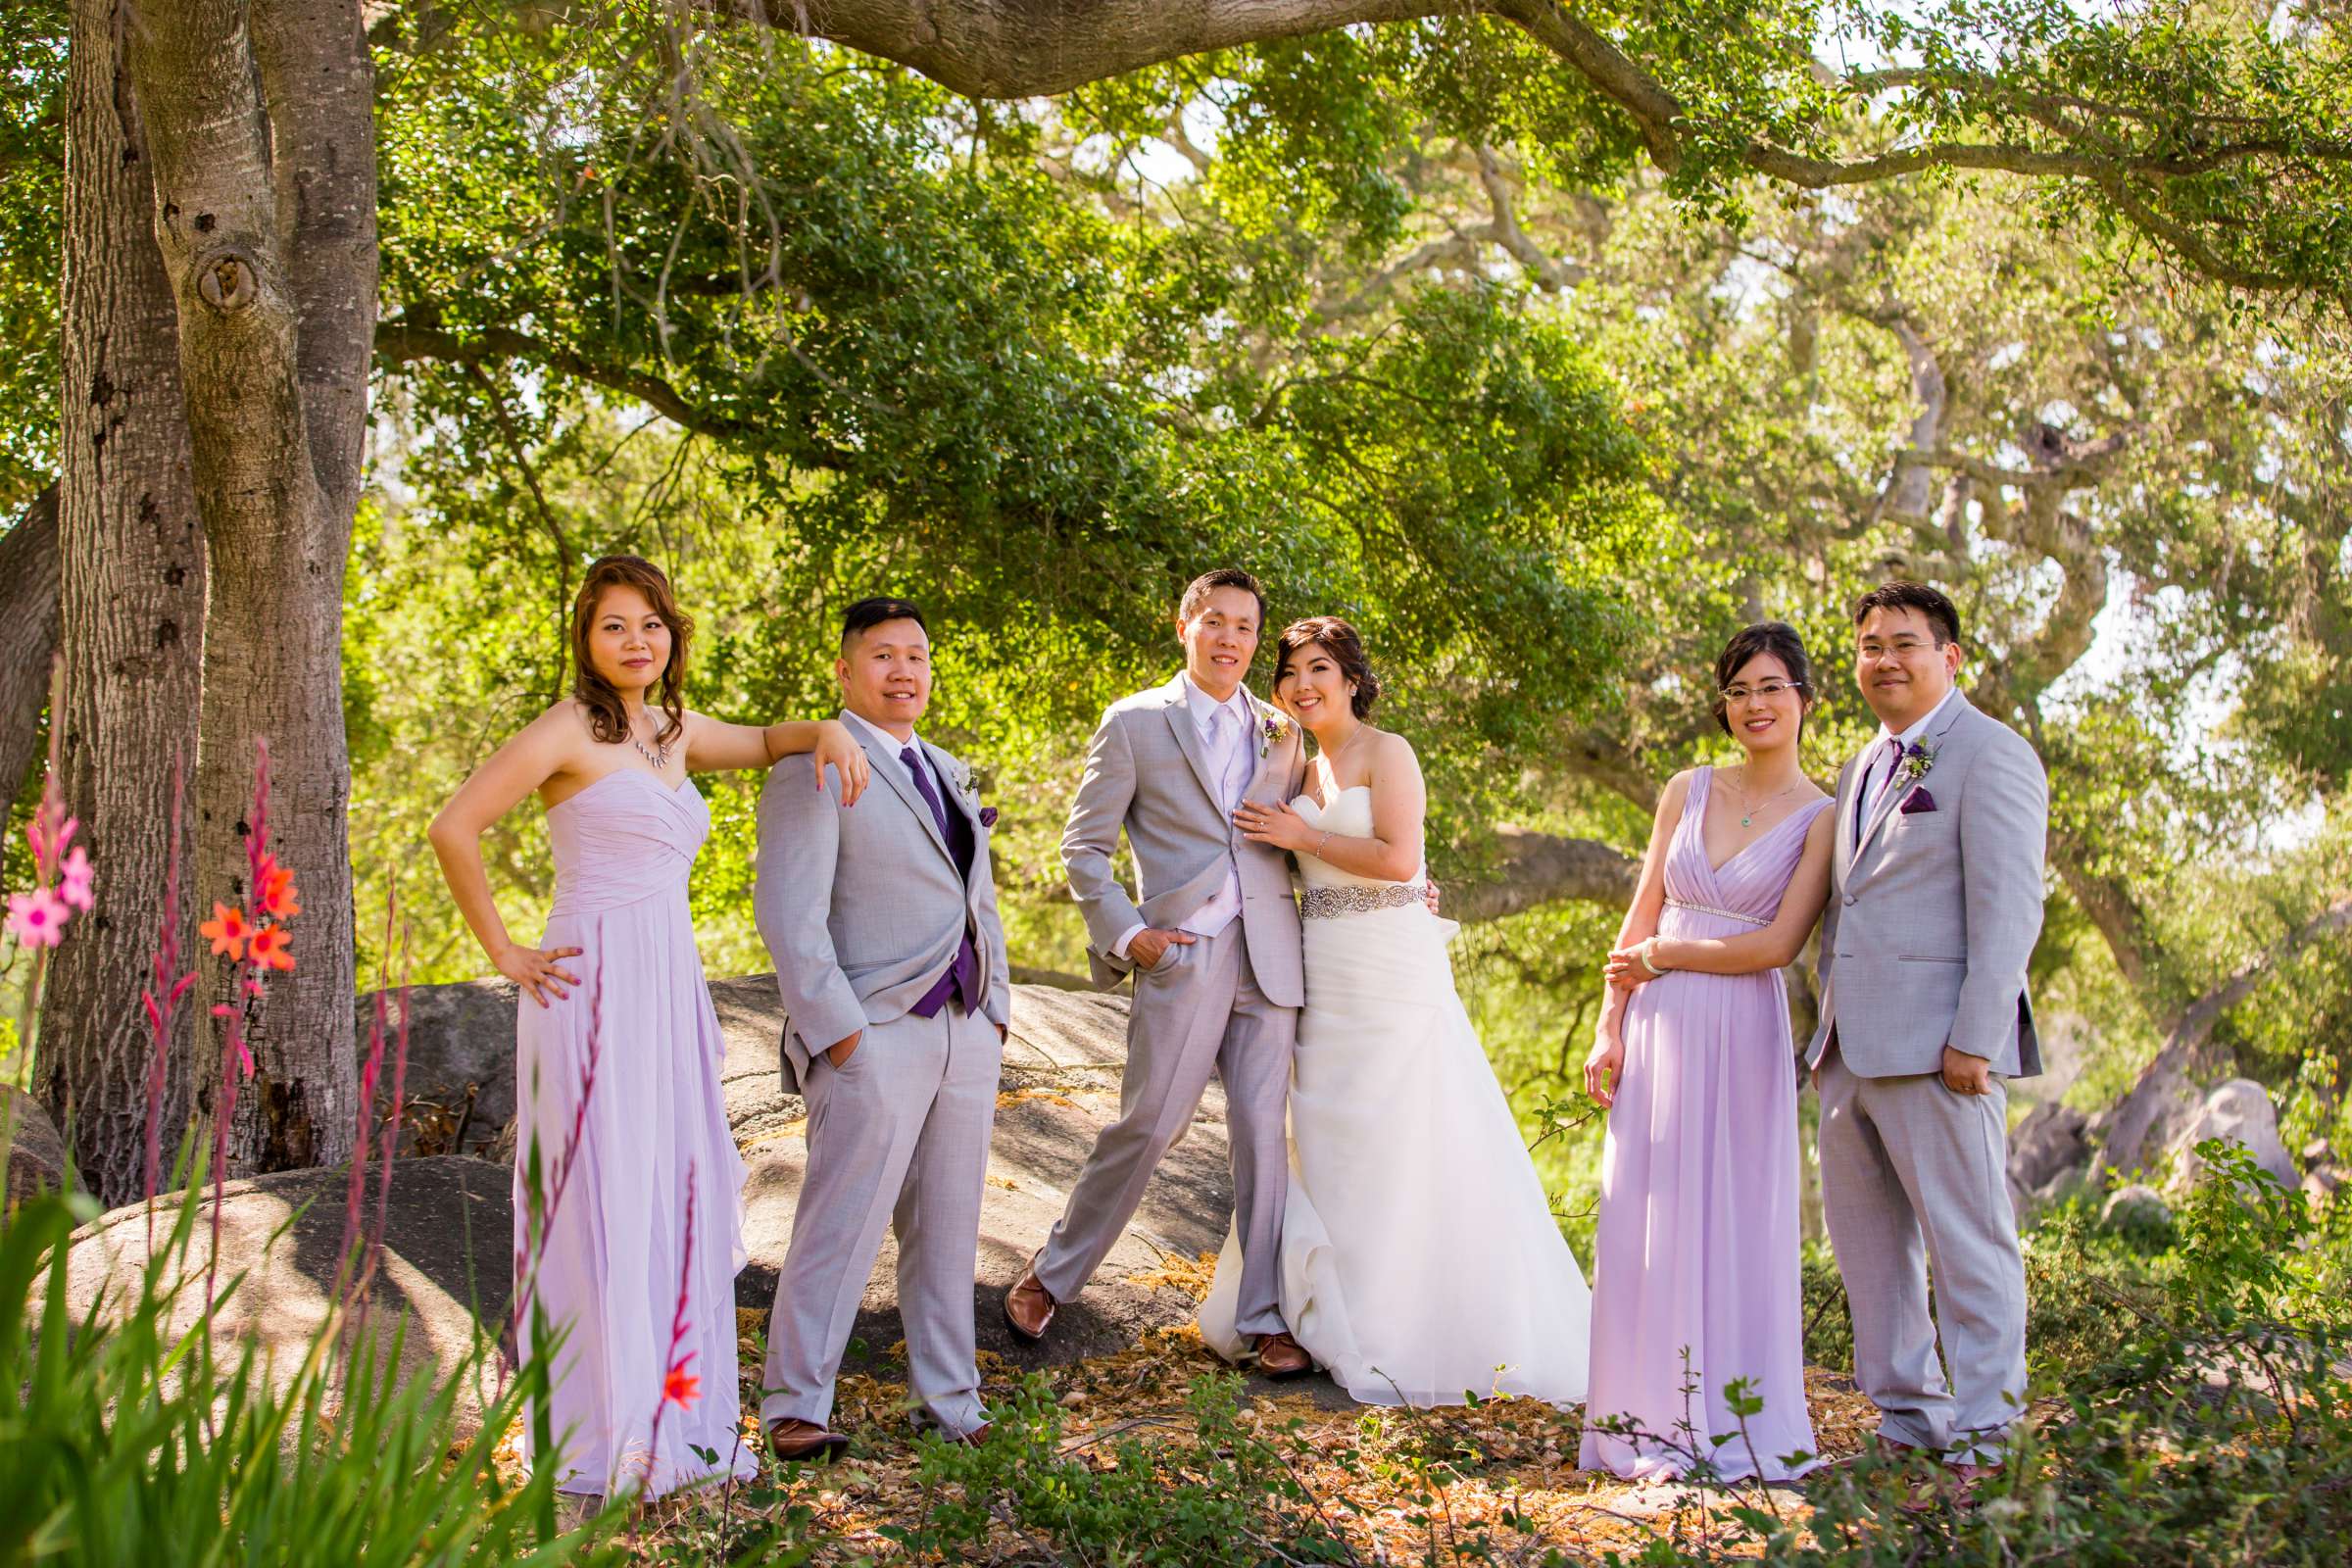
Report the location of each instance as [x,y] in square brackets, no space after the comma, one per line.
[793,1440]
[1962,1479]
[1280,1356]
[1029,1306]
[974,1437]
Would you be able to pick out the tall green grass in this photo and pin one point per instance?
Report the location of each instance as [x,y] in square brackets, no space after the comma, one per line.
[130,1442]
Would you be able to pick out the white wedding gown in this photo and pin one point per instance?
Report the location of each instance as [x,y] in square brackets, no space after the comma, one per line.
[1420,1261]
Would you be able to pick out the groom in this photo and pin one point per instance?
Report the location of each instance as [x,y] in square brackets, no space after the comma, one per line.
[882,922]
[1212,944]
[1934,904]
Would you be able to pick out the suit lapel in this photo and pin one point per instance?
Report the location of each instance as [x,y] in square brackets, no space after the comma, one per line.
[887,765]
[1188,741]
[945,767]
[1848,844]
[1899,790]
[1263,767]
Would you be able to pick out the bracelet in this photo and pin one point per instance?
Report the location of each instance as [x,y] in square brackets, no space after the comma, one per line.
[1643,953]
[1322,843]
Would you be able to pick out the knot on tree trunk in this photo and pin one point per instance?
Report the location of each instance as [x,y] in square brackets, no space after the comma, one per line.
[228,281]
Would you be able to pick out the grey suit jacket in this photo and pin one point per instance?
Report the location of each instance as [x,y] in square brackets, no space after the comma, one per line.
[861,906]
[1148,772]
[1934,913]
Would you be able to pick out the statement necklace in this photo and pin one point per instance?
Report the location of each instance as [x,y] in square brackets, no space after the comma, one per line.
[1747,817]
[657,753]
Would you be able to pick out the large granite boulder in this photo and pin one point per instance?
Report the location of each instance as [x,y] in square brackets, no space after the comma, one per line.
[36,1154]
[449,1243]
[448,1246]
[2049,1145]
[2237,1111]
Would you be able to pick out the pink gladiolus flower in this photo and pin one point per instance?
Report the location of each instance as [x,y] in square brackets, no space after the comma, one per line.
[76,875]
[37,918]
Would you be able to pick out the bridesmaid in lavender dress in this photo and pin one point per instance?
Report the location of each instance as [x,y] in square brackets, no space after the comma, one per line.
[617,968]
[1697,1245]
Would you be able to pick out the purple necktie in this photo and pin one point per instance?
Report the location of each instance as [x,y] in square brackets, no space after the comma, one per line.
[962,974]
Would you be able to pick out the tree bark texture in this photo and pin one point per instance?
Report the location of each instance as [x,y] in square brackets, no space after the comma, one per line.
[262,121]
[28,634]
[130,595]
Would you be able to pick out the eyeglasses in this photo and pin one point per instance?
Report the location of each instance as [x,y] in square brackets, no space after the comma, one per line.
[1765,690]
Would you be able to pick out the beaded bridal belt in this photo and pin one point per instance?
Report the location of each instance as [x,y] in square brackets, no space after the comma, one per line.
[1709,908]
[1320,903]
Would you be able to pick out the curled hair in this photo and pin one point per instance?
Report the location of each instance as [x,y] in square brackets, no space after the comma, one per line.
[1196,592]
[1942,616]
[607,718]
[1347,649]
[1778,639]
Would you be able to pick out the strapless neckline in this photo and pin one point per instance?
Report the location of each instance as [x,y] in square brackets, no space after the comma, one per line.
[1308,800]
[671,790]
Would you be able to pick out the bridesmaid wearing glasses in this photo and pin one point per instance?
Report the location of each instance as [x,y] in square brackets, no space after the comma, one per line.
[617,1050]
[1695,1253]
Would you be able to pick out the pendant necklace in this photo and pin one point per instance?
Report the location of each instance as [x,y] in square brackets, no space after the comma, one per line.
[1747,817]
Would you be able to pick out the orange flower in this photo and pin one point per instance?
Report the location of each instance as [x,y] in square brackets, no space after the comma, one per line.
[277,894]
[270,948]
[681,1387]
[227,930]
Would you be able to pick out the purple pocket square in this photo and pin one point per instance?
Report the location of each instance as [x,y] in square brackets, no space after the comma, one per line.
[988,817]
[1915,801]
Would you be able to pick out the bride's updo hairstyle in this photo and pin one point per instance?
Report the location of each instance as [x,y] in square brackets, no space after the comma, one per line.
[1780,640]
[1347,649]
[608,720]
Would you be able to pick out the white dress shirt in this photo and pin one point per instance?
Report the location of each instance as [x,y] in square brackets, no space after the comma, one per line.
[894,744]
[1230,749]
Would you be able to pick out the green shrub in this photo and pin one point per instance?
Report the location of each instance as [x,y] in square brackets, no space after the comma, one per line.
[2205,1415]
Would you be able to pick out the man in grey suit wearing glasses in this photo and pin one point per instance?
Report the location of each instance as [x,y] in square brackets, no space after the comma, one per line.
[1935,907]
[1211,937]
[882,921]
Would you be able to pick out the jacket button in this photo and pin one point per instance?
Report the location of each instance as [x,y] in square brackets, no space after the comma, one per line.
[1851,900]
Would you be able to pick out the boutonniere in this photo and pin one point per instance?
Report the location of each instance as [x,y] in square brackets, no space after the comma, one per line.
[962,776]
[1273,728]
[1918,757]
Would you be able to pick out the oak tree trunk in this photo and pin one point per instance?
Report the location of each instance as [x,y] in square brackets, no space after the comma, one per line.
[132,587]
[28,634]
[262,119]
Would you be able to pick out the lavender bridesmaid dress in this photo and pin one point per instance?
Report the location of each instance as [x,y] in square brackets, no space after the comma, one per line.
[1697,1243]
[610,1273]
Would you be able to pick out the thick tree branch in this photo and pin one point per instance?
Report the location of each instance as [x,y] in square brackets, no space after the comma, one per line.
[2167,1079]
[1016,49]
[29,622]
[1553,273]
[399,342]
[1540,868]
[1028,48]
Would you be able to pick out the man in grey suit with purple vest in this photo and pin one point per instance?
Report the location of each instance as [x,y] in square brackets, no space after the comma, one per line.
[882,922]
[1935,907]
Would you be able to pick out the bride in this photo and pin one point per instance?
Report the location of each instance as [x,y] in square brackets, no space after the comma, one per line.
[1420,1261]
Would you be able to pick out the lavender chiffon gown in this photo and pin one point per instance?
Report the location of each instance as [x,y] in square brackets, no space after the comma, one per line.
[654,1115]
[1697,1244]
